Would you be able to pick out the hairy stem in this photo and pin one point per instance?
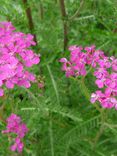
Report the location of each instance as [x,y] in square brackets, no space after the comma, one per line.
[29,17]
[51,138]
[86,93]
[102,127]
[30,22]
[78,11]
[41,10]
[1,113]
[65,25]
[65,32]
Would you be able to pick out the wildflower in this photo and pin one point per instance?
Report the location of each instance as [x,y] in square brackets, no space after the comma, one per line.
[105,72]
[17,146]
[79,59]
[41,85]
[15,126]
[15,57]
[76,65]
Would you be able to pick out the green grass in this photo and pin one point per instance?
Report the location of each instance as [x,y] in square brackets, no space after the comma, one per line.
[61,121]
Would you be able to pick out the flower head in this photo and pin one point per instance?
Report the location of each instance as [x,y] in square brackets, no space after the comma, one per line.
[105,72]
[15,57]
[15,126]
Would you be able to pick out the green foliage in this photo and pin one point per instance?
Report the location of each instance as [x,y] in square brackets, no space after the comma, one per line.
[61,121]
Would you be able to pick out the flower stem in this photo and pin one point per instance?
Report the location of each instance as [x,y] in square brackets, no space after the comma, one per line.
[65,25]
[86,93]
[102,127]
[1,113]
[29,17]
[102,111]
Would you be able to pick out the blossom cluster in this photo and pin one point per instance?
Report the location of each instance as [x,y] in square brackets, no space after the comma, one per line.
[79,59]
[15,126]
[106,79]
[105,71]
[15,57]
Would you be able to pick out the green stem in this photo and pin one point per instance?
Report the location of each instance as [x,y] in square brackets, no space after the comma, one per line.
[102,127]
[41,11]
[86,93]
[51,138]
[65,24]
[102,111]
[29,17]
[77,12]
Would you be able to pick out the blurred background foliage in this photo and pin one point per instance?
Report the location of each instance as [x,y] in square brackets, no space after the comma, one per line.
[61,121]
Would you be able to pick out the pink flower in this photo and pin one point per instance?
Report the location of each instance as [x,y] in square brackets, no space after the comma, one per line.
[1,92]
[80,59]
[67,67]
[100,73]
[105,72]
[76,65]
[109,102]
[15,57]
[100,82]
[41,85]
[114,63]
[18,145]
[15,126]
[96,96]
[105,63]
[106,100]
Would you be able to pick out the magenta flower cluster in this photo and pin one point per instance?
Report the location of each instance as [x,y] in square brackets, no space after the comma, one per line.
[105,71]
[15,57]
[15,126]
[106,79]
